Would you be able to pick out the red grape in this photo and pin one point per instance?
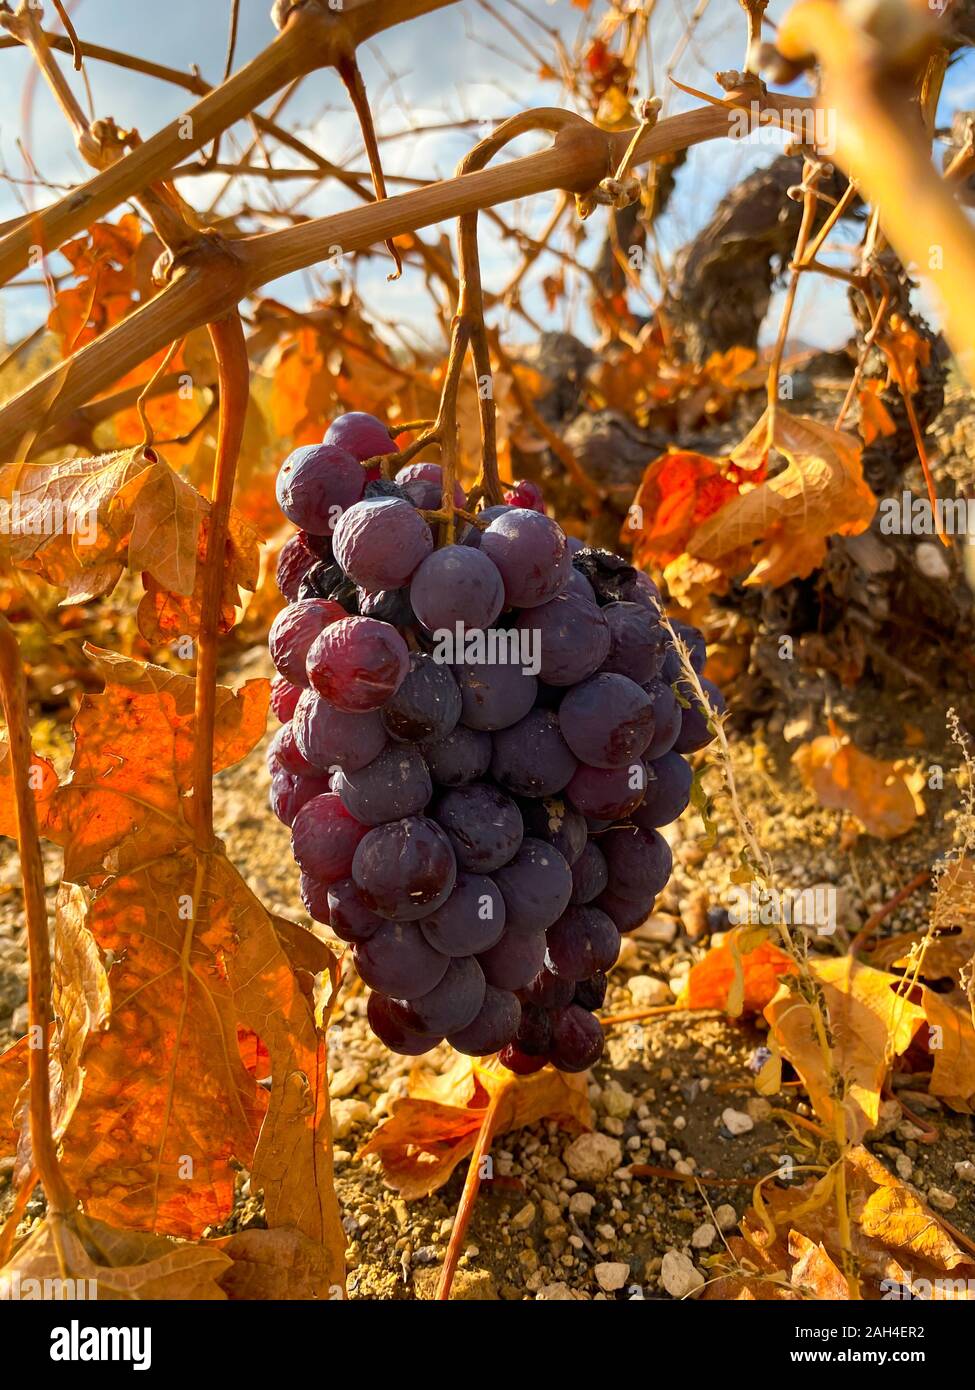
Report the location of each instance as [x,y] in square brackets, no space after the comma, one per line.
[293,632]
[530,551]
[380,543]
[324,838]
[316,484]
[357,664]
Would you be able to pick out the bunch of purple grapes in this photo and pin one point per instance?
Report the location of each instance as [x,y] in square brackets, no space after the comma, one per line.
[479,745]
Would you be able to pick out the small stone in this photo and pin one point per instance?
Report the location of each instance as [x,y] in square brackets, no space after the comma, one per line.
[647,992]
[347,1079]
[683,1167]
[616,1101]
[523,1218]
[904,1167]
[659,927]
[606,1231]
[611,1276]
[346,1114]
[941,1200]
[679,1275]
[551,1214]
[726,1217]
[613,1126]
[581,1203]
[736,1121]
[758,1108]
[704,1236]
[965,1170]
[556,1293]
[593,1157]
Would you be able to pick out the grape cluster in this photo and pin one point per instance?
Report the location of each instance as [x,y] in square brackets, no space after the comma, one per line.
[479,745]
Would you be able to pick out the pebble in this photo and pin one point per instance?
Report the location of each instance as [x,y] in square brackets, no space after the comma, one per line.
[679,1275]
[659,927]
[941,1200]
[965,1170]
[611,1275]
[647,992]
[736,1121]
[581,1203]
[523,1218]
[904,1167]
[616,1101]
[704,1236]
[726,1217]
[346,1114]
[557,1293]
[613,1126]
[758,1108]
[593,1157]
[551,1214]
[347,1079]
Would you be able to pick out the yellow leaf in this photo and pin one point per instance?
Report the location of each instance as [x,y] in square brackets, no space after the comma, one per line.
[869,1022]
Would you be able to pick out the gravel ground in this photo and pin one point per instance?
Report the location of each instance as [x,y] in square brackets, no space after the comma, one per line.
[559,1220]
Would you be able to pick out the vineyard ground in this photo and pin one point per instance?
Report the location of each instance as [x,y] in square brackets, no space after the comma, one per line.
[677,1073]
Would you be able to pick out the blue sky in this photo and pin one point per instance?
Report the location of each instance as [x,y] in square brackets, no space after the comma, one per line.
[455,64]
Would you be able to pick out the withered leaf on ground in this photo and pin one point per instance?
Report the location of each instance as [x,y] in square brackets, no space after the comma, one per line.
[898,1243]
[435,1127]
[883,797]
[866,1018]
[123,1264]
[756,972]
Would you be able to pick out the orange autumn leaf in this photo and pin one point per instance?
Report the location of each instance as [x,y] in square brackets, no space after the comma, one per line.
[132,763]
[107,289]
[710,981]
[884,798]
[905,350]
[678,491]
[436,1125]
[206,994]
[875,418]
[303,397]
[786,519]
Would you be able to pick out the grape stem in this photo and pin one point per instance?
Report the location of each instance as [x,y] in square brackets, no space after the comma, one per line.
[472,1185]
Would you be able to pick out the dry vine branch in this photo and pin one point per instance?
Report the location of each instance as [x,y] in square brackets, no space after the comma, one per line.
[214,276]
[313,37]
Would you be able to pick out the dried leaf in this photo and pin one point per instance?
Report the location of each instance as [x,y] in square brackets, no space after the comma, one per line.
[875,418]
[869,1024]
[275,1265]
[787,519]
[678,491]
[435,1127]
[123,1264]
[884,797]
[710,981]
[108,288]
[899,1246]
